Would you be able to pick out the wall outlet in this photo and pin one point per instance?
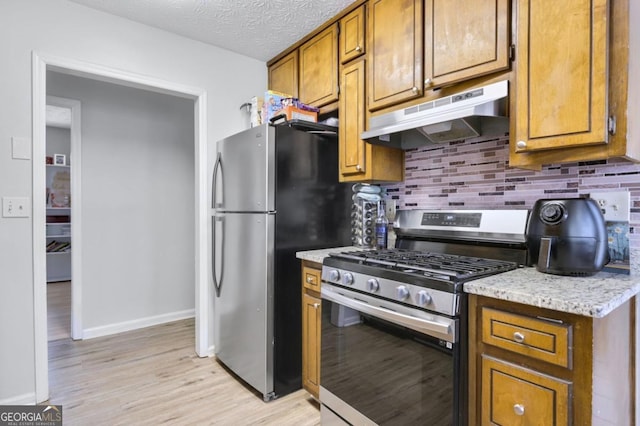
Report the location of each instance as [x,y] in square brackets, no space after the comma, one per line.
[15,207]
[390,210]
[614,205]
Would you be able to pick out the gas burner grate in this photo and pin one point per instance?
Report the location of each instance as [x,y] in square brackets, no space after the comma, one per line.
[438,265]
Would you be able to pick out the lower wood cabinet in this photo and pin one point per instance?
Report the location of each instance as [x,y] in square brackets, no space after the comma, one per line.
[512,395]
[530,365]
[311,317]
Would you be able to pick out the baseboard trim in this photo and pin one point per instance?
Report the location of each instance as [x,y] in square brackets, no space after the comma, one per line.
[24,399]
[107,330]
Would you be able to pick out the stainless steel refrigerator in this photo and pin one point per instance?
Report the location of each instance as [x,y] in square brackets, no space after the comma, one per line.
[275,192]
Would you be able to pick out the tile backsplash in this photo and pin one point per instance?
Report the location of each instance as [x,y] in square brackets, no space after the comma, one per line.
[476,174]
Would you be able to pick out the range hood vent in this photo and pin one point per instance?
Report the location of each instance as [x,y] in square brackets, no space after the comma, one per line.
[477,112]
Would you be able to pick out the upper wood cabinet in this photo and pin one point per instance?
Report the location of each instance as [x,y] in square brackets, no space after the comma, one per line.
[319,68]
[352,35]
[413,50]
[361,161]
[561,74]
[395,52]
[283,75]
[464,40]
[571,80]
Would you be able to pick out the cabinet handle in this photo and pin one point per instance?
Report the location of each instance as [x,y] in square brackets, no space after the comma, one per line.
[518,409]
[521,144]
[309,279]
[317,305]
[358,167]
[358,49]
[518,337]
[427,82]
[414,89]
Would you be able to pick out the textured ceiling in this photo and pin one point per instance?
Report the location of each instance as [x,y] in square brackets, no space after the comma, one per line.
[259,29]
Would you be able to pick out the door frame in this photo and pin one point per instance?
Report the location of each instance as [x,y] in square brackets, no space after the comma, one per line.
[43,62]
[76,210]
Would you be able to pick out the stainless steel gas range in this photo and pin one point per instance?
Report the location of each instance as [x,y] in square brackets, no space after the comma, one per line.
[394,321]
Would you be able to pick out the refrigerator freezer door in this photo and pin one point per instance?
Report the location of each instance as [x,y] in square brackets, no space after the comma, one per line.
[244,308]
[245,176]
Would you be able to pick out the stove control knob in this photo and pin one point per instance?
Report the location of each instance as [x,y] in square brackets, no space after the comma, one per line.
[373,285]
[347,278]
[334,275]
[424,298]
[402,292]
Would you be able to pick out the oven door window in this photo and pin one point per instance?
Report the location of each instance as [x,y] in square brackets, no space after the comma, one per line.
[390,374]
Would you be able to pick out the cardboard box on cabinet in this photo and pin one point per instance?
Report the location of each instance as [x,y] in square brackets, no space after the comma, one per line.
[276,103]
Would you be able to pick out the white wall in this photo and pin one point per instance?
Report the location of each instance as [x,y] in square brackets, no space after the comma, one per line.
[68,30]
[137,201]
[58,141]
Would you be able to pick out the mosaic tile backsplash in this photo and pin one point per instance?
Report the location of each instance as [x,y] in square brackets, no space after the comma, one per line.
[476,174]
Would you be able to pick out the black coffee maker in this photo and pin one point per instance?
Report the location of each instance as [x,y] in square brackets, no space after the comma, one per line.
[567,237]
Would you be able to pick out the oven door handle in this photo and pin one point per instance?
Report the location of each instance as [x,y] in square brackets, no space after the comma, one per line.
[422,325]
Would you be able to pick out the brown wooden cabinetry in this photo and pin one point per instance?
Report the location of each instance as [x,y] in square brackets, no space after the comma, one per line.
[530,365]
[413,50]
[352,35]
[361,161]
[561,74]
[318,58]
[571,77]
[513,395]
[311,321]
[464,40]
[283,75]
[395,52]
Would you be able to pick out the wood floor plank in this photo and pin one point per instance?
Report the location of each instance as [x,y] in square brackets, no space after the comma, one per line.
[153,376]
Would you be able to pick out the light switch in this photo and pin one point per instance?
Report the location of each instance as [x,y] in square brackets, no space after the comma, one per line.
[15,207]
[21,148]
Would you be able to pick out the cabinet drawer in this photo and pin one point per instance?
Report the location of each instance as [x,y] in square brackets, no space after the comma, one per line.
[512,395]
[533,337]
[311,278]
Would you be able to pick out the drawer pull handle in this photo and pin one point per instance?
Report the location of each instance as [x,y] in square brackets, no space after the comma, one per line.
[518,337]
[310,279]
[518,409]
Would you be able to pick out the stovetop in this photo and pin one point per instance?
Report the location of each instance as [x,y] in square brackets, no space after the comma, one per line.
[436,252]
[440,266]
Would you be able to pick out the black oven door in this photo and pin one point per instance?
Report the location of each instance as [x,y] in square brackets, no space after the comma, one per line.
[389,367]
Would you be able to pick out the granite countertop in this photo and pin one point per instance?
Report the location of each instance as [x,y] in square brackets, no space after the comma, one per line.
[595,296]
[319,255]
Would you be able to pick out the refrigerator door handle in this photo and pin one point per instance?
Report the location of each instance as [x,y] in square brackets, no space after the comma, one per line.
[214,181]
[217,283]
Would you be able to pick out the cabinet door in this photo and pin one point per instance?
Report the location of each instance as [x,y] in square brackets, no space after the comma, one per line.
[561,74]
[465,39]
[352,120]
[352,35]
[396,52]
[512,395]
[311,317]
[283,75]
[319,68]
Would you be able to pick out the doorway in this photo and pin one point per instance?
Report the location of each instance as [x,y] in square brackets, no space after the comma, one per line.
[63,243]
[41,64]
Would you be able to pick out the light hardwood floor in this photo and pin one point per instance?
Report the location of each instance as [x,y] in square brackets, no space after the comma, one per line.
[59,310]
[153,376]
